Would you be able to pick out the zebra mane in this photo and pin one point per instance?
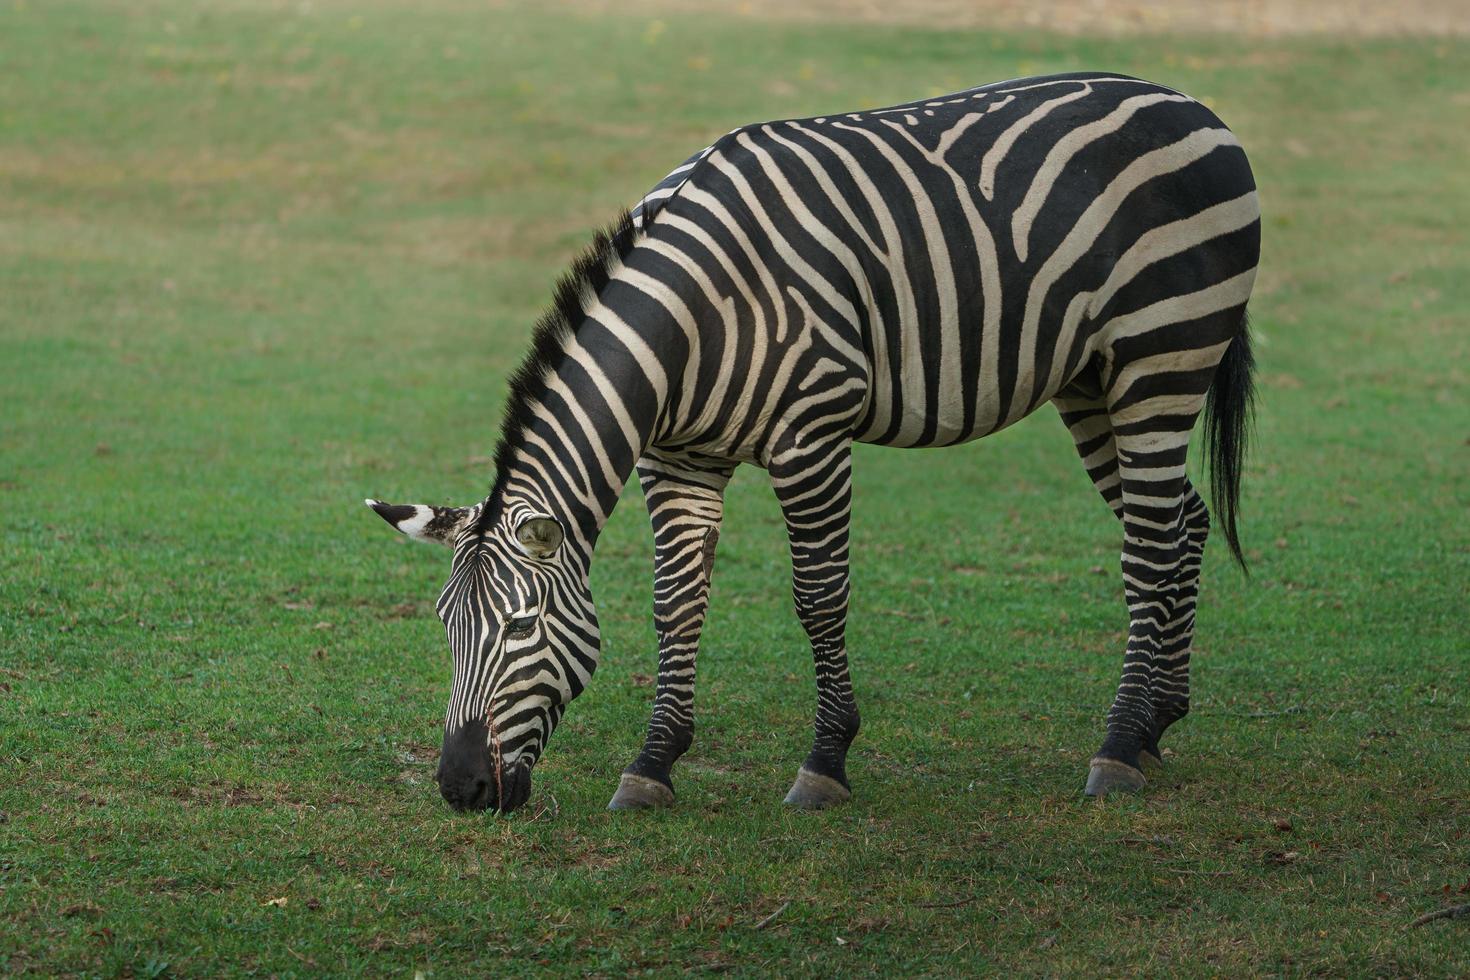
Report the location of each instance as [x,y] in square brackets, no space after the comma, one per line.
[575,291]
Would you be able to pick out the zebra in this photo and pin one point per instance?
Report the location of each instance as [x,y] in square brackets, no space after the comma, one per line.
[915,276]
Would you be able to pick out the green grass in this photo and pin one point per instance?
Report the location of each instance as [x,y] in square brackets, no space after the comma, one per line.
[258,264]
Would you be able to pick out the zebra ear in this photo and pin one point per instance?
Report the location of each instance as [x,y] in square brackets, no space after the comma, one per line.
[539,536]
[424,523]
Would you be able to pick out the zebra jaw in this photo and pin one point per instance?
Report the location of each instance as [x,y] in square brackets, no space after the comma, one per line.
[441,525]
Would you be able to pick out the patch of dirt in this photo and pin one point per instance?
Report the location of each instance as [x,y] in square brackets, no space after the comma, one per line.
[1264,18]
[382,941]
[595,859]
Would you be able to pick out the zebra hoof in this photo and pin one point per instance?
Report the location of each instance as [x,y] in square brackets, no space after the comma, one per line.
[1149,761]
[813,791]
[1111,776]
[640,793]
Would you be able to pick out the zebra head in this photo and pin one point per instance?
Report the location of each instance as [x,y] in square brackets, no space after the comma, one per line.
[523,633]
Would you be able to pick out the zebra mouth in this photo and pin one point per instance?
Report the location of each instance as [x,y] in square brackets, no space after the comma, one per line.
[482,792]
[472,776]
[515,789]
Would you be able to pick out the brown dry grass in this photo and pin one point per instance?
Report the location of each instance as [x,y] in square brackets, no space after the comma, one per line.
[1256,18]
[1263,18]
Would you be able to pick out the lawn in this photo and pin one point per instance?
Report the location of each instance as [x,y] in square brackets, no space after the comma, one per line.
[261,260]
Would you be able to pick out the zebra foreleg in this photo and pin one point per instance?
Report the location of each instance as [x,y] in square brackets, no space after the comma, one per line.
[815,491]
[685,506]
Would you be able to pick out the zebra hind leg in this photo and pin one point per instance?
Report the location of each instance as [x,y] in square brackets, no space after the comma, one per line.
[1170,682]
[1164,526]
[1086,416]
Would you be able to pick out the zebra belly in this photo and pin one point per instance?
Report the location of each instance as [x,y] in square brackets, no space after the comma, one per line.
[958,410]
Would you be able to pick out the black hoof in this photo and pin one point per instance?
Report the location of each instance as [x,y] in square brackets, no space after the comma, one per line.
[813,791]
[1111,776]
[640,793]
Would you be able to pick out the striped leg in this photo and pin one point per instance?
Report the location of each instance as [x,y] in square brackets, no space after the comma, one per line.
[1170,681]
[1163,538]
[685,506]
[1086,417]
[815,491]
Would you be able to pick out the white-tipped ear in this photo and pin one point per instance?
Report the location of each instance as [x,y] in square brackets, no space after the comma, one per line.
[424,523]
[540,536]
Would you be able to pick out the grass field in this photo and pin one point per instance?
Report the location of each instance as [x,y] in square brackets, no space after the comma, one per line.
[258,261]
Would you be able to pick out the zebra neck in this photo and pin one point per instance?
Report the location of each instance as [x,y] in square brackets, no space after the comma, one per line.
[596,408]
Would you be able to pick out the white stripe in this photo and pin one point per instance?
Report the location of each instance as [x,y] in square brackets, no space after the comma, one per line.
[1002,146]
[1058,156]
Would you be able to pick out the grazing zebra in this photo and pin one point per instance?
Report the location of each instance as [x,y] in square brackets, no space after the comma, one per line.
[921,275]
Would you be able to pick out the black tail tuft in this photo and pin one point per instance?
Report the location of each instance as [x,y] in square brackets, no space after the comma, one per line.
[1229,407]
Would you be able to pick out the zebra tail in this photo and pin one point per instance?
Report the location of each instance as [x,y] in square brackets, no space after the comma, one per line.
[1229,411]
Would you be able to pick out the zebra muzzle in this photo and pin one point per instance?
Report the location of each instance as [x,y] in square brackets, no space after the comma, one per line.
[473,776]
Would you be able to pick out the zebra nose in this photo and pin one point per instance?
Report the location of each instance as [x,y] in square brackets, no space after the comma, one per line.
[464,776]
[468,792]
[476,794]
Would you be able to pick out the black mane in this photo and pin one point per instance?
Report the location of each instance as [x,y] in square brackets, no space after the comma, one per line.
[586,277]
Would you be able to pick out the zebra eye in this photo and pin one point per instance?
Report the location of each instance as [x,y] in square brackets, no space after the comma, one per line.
[520,627]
